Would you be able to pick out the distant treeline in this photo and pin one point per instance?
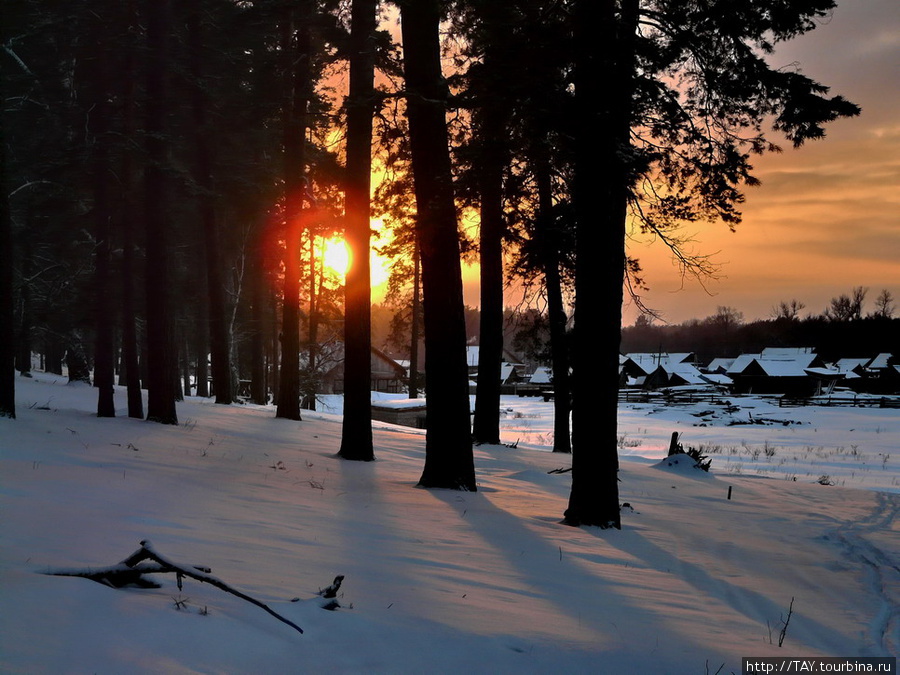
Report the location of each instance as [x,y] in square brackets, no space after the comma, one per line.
[722,336]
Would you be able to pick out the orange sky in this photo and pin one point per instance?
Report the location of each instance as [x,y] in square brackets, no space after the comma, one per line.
[827,216]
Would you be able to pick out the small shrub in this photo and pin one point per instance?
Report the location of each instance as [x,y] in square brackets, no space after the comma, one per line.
[703,462]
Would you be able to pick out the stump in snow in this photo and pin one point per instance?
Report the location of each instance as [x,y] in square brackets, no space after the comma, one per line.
[674,445]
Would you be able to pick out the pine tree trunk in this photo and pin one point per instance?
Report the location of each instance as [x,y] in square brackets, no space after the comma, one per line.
[296,72]
[449,461]
[604,85]
[414,337]
[104,356]
[201,344]
[53,354]
[550,254]
[23,341]
[356,432]
[309,387]
[486,423]
[126,226]
[258,392]
[219,343]
[161,362]
[7,322]
[491,121]
[129,330]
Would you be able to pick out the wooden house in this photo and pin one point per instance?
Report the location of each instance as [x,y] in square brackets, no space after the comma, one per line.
[777,370]
[386,375]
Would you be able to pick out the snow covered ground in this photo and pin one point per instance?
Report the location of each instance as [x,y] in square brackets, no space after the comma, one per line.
[440,581]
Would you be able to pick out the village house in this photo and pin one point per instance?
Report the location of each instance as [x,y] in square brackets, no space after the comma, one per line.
[877,375]
[512,372]
[659,370]
[387,375]
[797,371]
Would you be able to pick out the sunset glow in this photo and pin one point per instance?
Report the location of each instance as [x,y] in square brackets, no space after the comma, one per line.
[337,256]
[826,218]
[338,259]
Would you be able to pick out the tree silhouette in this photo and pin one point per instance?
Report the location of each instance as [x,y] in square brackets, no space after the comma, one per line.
[847,307]
[449,462]
[884,304]
[161,362]
[489,36]
[671,99]
[297,85]
[7,320]
[356,435]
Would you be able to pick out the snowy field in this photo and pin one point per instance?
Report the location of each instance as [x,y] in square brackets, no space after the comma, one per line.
[853,447]
[439,581]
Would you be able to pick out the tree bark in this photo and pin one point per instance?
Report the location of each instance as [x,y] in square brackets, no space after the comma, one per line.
[126,226]
[356,433]
[548,236]
[449,461]
[296,73]
[104,357]
[310,384]
[23,341]
[491,121]
[258,389]
[604,46]
[7,323]
[161,363]
[219,342]
[414,335]
[486,422]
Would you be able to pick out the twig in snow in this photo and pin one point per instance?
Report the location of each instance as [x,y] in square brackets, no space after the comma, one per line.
[784,624]
[131,570]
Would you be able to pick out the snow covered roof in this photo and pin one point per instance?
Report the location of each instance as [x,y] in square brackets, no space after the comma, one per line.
[717,378]
[880,361]
[689,374]
[648,362]
[850,365]
[542,375]
[786,367]
[777,362]
[719,364]
[506,370]
[741,363]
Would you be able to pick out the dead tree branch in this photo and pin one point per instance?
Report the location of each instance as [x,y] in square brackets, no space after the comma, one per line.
[131,571]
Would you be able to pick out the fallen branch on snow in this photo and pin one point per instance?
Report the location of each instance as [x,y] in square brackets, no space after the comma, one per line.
[131,571]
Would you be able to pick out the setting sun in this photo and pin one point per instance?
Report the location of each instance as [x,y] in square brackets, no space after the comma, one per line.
[337,256]
[337,259]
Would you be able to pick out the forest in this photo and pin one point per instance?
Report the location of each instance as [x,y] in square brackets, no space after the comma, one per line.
[173,171]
